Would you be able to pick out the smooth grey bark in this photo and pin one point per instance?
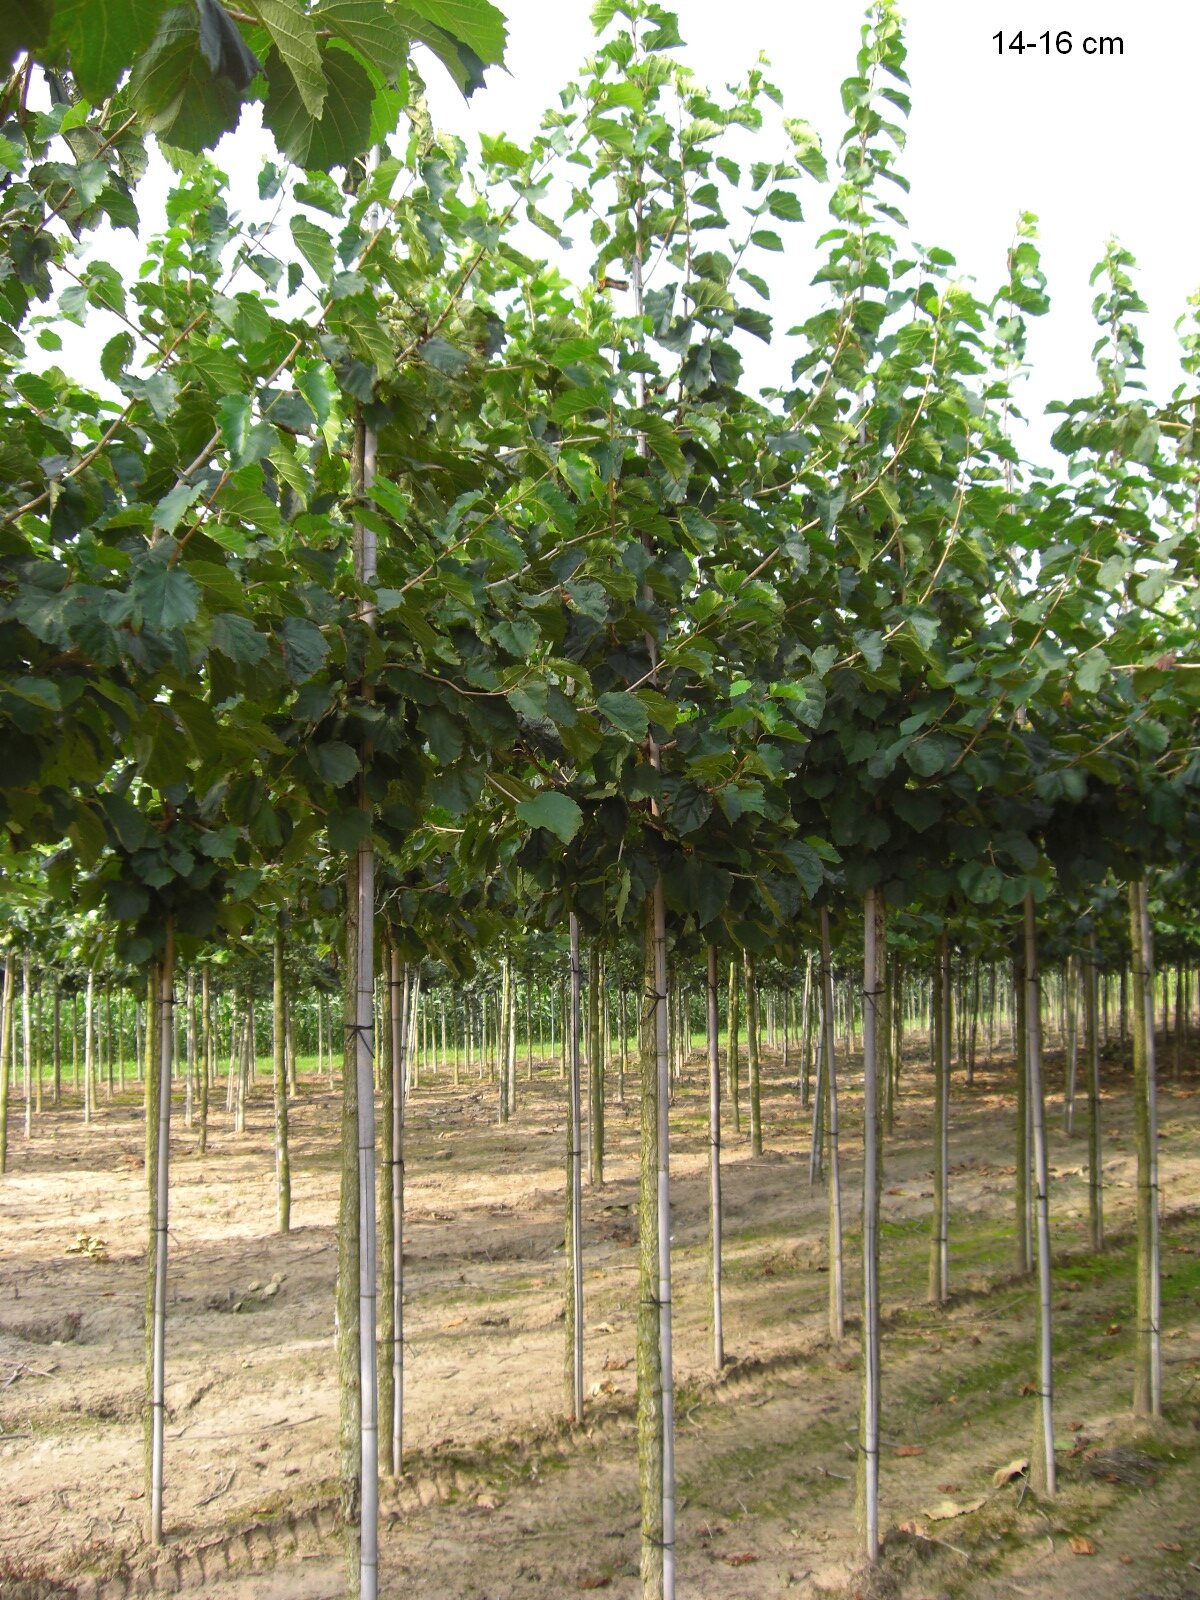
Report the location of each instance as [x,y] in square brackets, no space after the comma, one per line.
[714,1159]
[1042,1473]
[868,1438]
[166,1019]
[573,1298]
[828,1078]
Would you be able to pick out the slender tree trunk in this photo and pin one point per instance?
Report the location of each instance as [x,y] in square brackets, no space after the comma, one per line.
[656,1393]
[1021,1219]
[1092,1046]
[939,1255]
[387,1213]
[6,1029]
[399,983]
[735,1022]
[595,1073]
[828,1076]
[756,1133]
[868,1428]
[714,1158]
[1042,1475]
[166,1004]
[206,1058]
[573,1253]
[283,1166]
[1071,985]
[1147,1385]
[89,1046]
[805,1014]
[189,1090]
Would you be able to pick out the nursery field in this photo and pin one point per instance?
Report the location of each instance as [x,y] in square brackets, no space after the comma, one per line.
[499,1495]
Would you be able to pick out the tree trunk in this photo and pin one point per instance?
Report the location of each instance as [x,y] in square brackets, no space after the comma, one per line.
[1092,1046]
[756,1134]
[1147,1379]
[828,1077]
[734,1023]
[868,1426]
[1042,1475]
[656,1393]
[6,1020]
[595,1074]
[939,1254]
[573,1253]
[1021,1219]
[166,1004]
[714,1159]
[283,1168]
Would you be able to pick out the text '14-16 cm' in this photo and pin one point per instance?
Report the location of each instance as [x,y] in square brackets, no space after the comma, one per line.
[1061,43]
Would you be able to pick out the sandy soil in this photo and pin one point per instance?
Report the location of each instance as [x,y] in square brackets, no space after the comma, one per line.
[500,1497]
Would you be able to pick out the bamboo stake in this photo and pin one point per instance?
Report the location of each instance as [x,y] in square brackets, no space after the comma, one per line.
[1147,1390]
[1095,1169]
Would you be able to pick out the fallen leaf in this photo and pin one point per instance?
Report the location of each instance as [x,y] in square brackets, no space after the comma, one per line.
[945,1509]
[1126,1561]
[1014,1469]
[744,1560]
[616,1363]
[1113,1327]
[1082,1547]
[910,1449]
[603,1327]
[1173,1549]
[595,1583]
[454,1322]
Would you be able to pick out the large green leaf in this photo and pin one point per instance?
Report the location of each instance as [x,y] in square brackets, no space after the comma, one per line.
[102,37]
[475,23]
[372,28]
[554,811]
[294,36]
[174,88]
[343,130]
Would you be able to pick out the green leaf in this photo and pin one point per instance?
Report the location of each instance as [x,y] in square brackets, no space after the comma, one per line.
[175,90]
[370,27]
[166,596]
[344,128]
[625,711]
[475,23]
[335,761]
[782,203]
[304,648]
[554,811]
[237,637]
[104,38]
[315,245]
[171,507]
[295,38]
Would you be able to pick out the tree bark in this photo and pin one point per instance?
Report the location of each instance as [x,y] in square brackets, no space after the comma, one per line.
[1042,1474]
[868,1427]
[1147,1384]
[573,1254]
[756,1133]
[714,1160]
[166,1031]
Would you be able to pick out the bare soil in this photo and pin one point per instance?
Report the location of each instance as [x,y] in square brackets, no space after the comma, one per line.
[500,1497]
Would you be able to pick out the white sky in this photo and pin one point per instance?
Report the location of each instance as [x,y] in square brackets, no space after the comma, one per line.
[1093,145]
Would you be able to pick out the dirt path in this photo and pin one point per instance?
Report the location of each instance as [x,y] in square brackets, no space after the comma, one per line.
[499,1498]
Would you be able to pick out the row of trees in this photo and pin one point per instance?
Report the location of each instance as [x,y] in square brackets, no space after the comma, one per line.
[398,578]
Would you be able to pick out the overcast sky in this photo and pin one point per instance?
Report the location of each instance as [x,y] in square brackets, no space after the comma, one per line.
[1095,145]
